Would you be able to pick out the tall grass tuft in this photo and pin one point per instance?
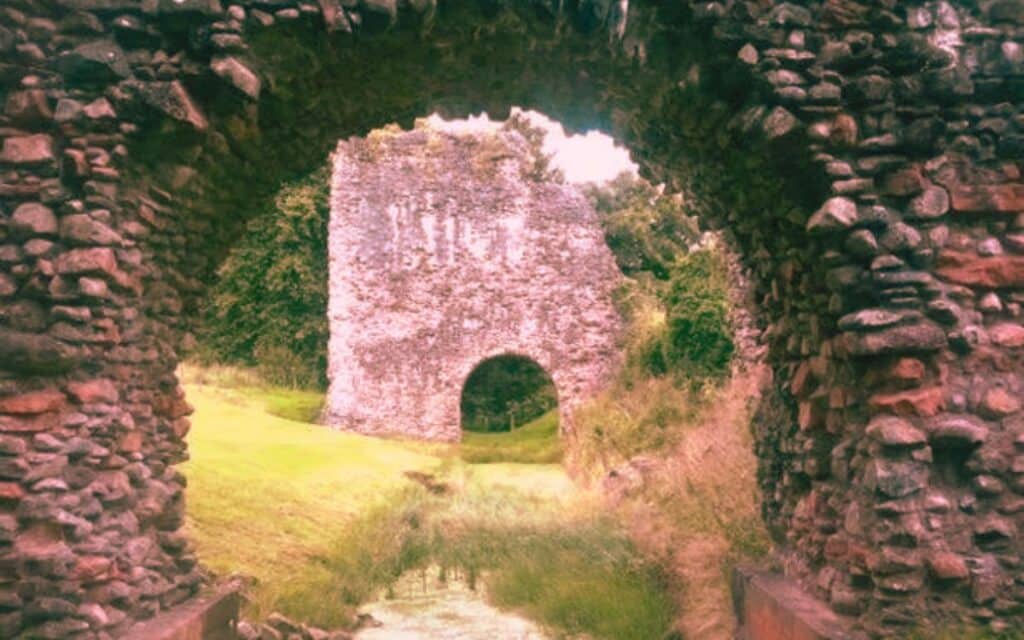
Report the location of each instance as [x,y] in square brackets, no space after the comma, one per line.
[669,440]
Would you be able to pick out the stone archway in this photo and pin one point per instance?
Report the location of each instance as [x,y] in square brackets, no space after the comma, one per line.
[865,156]
[446,248]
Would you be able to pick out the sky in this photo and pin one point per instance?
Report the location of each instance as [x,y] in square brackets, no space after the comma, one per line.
[589,157]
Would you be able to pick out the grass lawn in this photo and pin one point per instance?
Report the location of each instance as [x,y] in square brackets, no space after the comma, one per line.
[266,494]
[536,442]
[325,520]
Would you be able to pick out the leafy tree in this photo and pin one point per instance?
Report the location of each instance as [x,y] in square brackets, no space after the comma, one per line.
[677,299]
[269,305]
[646,229]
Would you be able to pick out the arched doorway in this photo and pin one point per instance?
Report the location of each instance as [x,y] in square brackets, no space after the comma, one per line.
[504,393]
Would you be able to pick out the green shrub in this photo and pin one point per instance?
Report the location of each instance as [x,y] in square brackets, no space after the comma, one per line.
[646,230]
[676,300]
[268,308]
[574,574]
[699,336]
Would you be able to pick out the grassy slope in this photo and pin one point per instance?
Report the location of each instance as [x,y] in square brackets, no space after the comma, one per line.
[266,494]
[323,520]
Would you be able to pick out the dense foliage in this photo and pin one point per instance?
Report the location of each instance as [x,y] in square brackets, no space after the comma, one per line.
[677,297]
[269,306]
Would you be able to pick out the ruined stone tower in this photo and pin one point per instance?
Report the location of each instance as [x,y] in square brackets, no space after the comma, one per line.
[447,249]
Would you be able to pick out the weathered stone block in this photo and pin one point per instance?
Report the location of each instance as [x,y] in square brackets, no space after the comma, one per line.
[90,391]
[172,99]
[234,71]
[27,150]
[78,261]
[33,353]
[32,402]
[916,337]
[970,269]
[836,214]
[895,432]
[912,402]
[33,218]
[1002,198]
[960,430]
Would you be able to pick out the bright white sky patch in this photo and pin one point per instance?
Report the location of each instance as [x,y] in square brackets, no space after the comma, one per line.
[589,157]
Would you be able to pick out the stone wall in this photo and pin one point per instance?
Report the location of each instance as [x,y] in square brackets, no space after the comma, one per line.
[447,249]
[864,155]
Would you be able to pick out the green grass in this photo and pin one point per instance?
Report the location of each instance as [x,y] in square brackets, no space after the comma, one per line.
[544,556]
[300,406]
[579,588]
[266,495]
[536,442]
[324,520]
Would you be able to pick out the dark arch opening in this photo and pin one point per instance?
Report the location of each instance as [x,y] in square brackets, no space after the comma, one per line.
[505,392]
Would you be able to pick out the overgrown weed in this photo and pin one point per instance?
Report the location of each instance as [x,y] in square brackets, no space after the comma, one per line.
[688,491]
[553,560]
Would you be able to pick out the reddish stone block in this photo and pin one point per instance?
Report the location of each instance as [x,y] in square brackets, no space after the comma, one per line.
[969,269]
[32,149]
[91,568]
[838,398]
[78,261]
[131,442]
[770,607]
[926,402]
[32,402]
[40,539]
[181,427]
[907,370]
[172,407]
[1007,334]
[798,384]
[844,131]
[28,107]
[11,492]
[999,198]
[904,182]
[29,423]
[945,565]
[810,415]
[92,391]
[998,402]
[75,163]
